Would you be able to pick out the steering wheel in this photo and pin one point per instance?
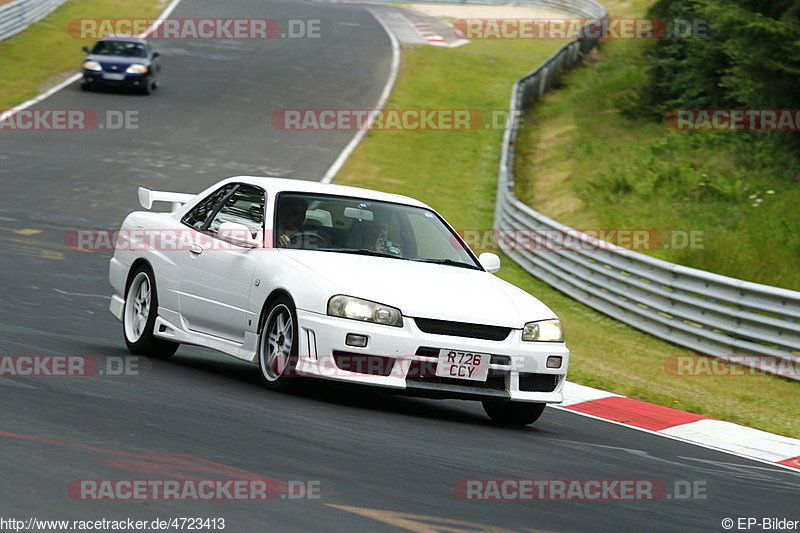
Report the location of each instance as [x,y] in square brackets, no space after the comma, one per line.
[306,238]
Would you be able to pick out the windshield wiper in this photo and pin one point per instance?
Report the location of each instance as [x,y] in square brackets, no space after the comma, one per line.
[360,251]
[448,262]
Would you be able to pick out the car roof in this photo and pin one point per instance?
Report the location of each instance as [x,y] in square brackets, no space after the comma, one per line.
[278,185]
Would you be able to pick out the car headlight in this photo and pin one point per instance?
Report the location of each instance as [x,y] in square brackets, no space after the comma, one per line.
[544,330]
[136,69]
[364,310]
[92,65]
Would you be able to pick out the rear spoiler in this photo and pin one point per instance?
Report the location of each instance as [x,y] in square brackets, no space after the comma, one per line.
[177,199]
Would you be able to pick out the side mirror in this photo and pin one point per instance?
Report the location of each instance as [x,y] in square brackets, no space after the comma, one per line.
[489,261]
[238,234]
[155,54]
[86,49]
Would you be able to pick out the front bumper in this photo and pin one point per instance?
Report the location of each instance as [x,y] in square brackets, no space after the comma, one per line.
[134,81]
[405,359]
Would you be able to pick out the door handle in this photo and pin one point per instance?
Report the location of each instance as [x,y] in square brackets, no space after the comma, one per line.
[195,249]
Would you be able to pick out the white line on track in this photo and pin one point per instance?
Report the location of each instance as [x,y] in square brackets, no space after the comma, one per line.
[387,89]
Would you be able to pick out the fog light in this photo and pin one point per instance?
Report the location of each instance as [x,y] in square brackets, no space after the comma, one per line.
[359,341]
[554,361]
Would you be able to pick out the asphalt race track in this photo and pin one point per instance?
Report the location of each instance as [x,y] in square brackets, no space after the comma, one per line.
[382,463]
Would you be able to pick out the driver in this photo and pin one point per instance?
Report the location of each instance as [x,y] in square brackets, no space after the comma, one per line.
[291,216]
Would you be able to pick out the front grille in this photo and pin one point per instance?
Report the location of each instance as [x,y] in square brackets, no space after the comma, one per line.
[538,382]
[114,67]
[371,365]
[422,369]
[462,329]
[501,360]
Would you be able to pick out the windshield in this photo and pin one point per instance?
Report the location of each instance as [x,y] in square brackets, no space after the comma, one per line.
[367,227]
[120,48]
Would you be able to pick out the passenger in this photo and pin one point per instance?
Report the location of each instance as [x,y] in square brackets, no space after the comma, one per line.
[377,238]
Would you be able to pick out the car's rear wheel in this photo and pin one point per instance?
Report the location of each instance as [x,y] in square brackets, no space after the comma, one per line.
[510,413]
[277,353]
[139,316]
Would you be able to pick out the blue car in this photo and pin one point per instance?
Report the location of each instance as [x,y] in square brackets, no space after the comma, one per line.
[121,62]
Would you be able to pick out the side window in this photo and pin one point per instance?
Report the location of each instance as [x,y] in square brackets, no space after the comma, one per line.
[197,217]
[245,206]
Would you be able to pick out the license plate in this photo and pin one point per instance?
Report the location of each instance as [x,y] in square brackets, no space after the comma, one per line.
[463,365]
[117,77]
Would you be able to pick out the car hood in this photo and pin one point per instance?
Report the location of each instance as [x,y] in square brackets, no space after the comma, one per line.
[424,289]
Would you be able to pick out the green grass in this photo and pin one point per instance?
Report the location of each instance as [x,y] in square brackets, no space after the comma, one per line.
[585,160]
[45,54]
[456,173]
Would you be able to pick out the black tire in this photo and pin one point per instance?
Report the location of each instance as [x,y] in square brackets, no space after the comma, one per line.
[139,316]
[148,88]
[508,413]
[276,367]
[85,87]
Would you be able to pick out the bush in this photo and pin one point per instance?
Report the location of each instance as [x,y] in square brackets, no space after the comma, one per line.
[751,59]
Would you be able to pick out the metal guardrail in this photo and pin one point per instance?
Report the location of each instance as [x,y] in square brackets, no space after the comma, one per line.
[712,314]
[19,14]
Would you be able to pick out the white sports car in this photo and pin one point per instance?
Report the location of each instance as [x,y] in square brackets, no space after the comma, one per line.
[314,280]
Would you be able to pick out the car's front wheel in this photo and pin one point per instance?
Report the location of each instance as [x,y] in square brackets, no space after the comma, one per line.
[139,316]
[277,354]
[510,413]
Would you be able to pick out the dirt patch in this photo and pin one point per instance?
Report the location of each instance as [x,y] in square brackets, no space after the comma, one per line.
[52,81]
[552,168]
